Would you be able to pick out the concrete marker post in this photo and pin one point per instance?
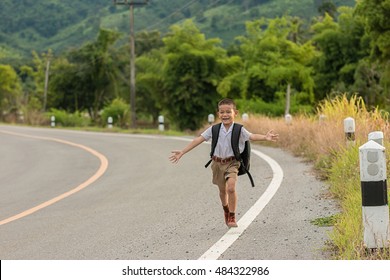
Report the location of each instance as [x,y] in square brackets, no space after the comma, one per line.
[375,210]
[20,117]
[376,136]
[161,125]
[110,122]
[322,119]
[210,119]
[52,121]
[288,119]
[349,130]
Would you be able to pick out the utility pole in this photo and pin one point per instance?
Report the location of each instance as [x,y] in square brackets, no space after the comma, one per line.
[46,84]
[131,4]
[48,58]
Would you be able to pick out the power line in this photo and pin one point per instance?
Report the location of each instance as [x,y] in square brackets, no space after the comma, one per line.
[161,27]
[172,14]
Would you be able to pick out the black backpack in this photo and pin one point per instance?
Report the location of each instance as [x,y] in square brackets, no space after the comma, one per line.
[243,158]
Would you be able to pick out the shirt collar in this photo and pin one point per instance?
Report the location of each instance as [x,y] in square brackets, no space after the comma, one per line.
[229,130]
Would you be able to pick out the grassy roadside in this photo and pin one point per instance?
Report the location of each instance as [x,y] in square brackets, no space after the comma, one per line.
[323,143]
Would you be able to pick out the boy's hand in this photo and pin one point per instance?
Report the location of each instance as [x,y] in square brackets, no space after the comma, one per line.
[271,136]
[176,156]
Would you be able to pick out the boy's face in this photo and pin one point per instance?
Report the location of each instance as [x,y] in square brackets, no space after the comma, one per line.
[227,113]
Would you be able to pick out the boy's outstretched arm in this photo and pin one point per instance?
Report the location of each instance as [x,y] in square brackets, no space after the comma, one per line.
[270,136]
[176,155]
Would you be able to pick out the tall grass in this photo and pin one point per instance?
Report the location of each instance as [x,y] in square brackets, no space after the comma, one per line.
[323,143]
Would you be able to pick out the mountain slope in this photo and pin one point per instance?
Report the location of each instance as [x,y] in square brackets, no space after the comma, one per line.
[27,25]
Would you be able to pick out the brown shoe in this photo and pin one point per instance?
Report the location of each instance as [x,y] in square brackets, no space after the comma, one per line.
[226,217]
[232,220]
[226,213]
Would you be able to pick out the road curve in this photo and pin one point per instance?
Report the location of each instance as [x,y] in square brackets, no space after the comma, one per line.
[143,207]
[89,181]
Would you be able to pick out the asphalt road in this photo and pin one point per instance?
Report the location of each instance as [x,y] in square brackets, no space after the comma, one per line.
[113,196]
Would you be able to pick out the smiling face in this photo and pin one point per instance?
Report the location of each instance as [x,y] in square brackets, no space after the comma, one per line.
[227,113]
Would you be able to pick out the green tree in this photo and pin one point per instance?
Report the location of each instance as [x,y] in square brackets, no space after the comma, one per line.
[367,76]
[147,41]
[376,15]
[272,61]
[66,86]
[89,77]
[10,89]
[33,77]
[150,83]
[192,72]
[342,45]
[327,7]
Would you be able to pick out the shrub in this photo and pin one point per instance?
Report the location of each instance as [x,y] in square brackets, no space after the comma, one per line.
[258,106]
[66,119]
[119,111]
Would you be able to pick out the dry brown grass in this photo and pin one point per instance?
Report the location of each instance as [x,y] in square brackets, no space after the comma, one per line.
[316,139]
[323,142]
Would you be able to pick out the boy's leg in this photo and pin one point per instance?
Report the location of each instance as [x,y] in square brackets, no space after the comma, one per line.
[232,198]
[228,196]
[224,200]
[225,178]
[232,195]
[220,181]
[223,195]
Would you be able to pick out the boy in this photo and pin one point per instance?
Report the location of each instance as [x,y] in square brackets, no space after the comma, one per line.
[225,166]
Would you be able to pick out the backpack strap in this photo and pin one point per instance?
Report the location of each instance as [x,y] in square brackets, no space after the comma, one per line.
[214,139]
[236,133]
[235,140]
[215,135]
[249,175]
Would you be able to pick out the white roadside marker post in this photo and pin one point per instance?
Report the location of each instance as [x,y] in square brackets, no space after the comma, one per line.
[349,130]
[376,136]
[53,121]
[245,117]
[161,125]
[288,119]
[322,118]
[110,121]
[375,208]
[210,119]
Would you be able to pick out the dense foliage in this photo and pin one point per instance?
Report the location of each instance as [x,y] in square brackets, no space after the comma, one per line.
[182,74]
[60,24]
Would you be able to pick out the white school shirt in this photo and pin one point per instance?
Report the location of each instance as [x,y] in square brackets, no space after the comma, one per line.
[224,144]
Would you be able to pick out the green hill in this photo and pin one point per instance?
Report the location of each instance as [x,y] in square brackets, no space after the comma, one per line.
[27,25]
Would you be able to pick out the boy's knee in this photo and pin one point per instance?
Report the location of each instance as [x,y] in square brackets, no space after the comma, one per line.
[231,185]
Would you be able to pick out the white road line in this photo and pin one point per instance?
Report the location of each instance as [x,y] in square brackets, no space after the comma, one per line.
[232,235]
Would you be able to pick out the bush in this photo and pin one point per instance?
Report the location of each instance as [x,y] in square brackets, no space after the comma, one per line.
[66,119]
[258,106]
[119,111]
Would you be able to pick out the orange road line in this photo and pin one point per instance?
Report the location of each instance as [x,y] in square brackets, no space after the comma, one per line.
[102,169]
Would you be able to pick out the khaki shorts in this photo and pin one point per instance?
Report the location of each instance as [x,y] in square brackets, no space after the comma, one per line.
[221,172]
